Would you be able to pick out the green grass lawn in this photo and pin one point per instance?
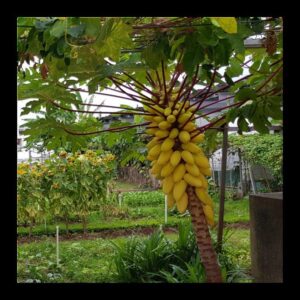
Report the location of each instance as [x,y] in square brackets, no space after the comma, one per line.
[143,216]
[92,260]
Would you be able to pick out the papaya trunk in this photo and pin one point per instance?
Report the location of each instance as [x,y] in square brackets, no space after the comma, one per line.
[203,238]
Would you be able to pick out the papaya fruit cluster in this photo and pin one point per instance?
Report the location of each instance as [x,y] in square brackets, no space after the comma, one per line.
[176,159]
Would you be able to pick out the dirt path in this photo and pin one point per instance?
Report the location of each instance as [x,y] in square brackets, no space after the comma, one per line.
[113,233]
[110,233]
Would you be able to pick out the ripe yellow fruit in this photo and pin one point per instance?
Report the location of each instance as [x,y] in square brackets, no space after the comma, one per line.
[175,112]
[167,144]
[177,105]
[161,133]
[156,169]
[173,133]
[171,200]
[203,180]
[148,118]
[187,157]
[167,111]
[179,189]
[168,184]
[184,137]
[164,125]
[189,126]
[205,171]
[201,161]
[175,158]
[209,214]
[164,157]
[184,117]
[151,131]
[203,196]
[158,119]
[192,169]
[179,172]
[171,119]
[198,138]
[182,203]
[153,142]
[166,170]
[155,150]
[191,147]
[160,109]
[151,158]
[192,180]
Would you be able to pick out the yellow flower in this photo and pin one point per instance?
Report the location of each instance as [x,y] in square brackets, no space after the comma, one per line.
[21,172]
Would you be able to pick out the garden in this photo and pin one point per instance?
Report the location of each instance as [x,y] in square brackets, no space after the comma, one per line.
[127,192]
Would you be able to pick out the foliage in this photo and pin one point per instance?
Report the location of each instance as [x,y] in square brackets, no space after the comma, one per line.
[63,185]
[264,150]
[70,52]
[149,198]
[156,259]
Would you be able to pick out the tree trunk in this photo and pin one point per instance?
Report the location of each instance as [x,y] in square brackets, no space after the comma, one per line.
[203,238]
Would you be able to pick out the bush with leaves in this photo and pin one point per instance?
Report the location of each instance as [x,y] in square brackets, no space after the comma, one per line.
[262,149]
[157,259]
[64,185]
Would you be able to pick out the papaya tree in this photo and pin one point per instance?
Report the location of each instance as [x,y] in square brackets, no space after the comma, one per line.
[168,67]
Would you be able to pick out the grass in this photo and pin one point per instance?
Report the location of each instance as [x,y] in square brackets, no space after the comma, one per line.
[143,216]
[91,260]
[122,185]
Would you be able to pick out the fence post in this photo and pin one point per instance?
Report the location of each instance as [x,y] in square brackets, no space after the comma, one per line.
[222,186]
[166,209]
[57,245]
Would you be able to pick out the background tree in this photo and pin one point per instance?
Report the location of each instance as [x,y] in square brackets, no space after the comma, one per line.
[142,59]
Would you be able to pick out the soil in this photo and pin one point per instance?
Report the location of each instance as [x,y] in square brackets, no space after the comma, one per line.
[110,233]
[114,233]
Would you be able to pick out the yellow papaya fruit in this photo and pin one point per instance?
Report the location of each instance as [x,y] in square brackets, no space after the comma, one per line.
[164,125]
[192,169]
[171,200]
[192,180]
[205,171]
[203,180]
[158,119]
[161,133]
[179,172]
[198,138]
[148,118]
[171,119]
[151,158]
[189,127]
[201,161]
[167,144]
[153,142]
[173,133]
[209,214]
[179,189]
[191,147]
[175,112]
[175,158]
[203,196]
[182,203]
[187,157]
[184,137]
[164,157]
[151,131]
[166,170]
[184,117]
[156,169]
[168,184]
[167,111]
[155,150]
